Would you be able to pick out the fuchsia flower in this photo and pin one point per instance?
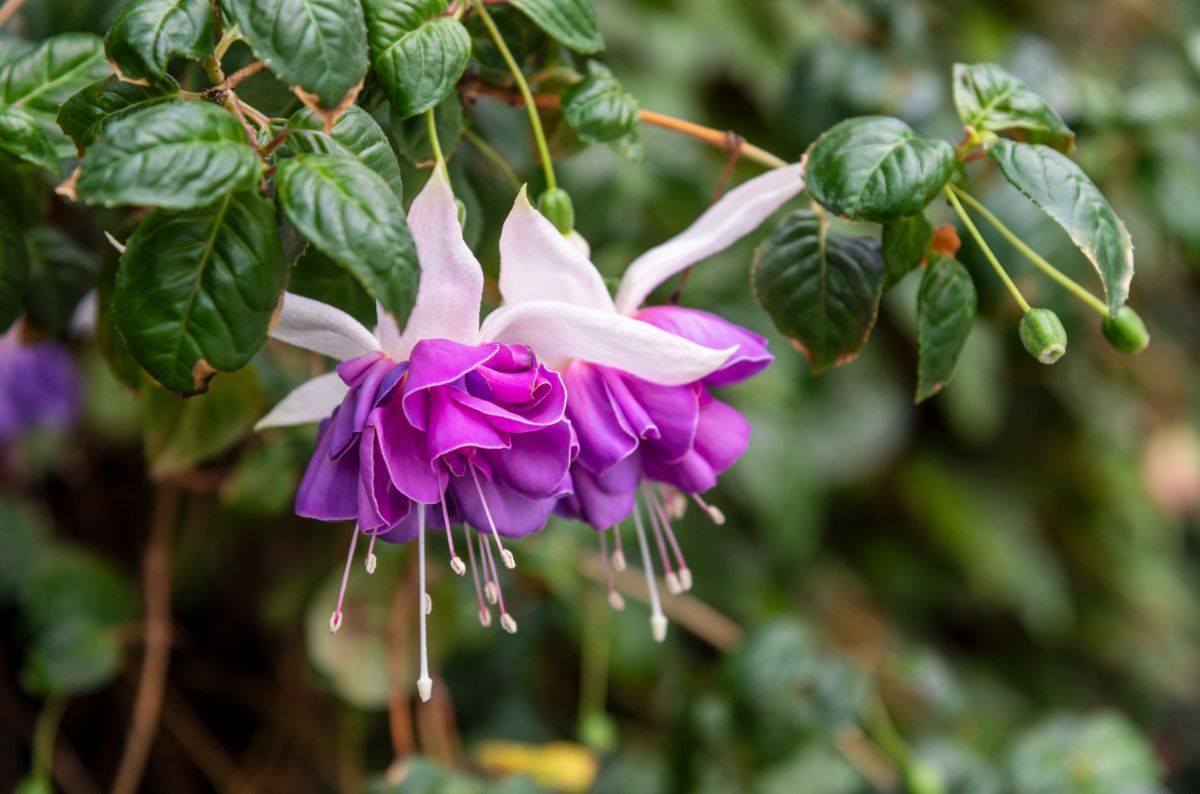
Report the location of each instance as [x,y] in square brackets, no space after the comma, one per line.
[39,387]
[442,423]
[632,429]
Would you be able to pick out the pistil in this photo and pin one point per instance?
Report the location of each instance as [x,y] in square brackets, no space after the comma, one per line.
[658,621]
[424,683]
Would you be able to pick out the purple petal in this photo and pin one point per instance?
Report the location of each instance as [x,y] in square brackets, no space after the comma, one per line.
[716,332]
[605,437]
[455,427]
[405,453]
[602,500]
[515,515]
[380,505]
[329,489]
[674,410]
[438,362]
[721,437]
[537,463]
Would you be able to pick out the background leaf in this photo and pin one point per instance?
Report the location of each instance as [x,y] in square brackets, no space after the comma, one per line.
[1099,754]
[356,134]
[147,34]
[573,22]
[875,168]
[905,242]
[14,266]
[945,312]
[46,76]
[88,113]
[22,137]
[990,99]
[351,214]
[598,107]
[196,289]
[418,54]
[411,135]
[180,155]
[821,289]
[1060,188]
[61,272]
[318,45]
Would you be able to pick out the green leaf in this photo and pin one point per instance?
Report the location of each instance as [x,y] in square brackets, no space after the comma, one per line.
[945,312]
[14,266]
[1061,190]
[1099,754]
[88,113]
[318,277]
[22,137]
[147,34]
[71,658]
[411,135]
[112,346]
[905,242]
[821,289]
[183,433]
[990,99]
[356,134]
[179,155]
[61,272]
[318,45]
[350,213]
[418,54]
[573,22]
[46,76]
[71,585]
[12,48]
[598,107]
[875,168]
[196,289]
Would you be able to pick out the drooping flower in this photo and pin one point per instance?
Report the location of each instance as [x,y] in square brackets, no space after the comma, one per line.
[440,424]
[633,432]
[39,387]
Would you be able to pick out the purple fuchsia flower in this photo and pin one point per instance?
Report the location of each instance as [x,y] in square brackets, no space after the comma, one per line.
[633,431]
[39,387]
[441,423]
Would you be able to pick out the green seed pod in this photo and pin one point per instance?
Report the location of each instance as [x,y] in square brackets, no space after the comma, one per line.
[1043,335]
[1125,331]
[556,205]
[462,212]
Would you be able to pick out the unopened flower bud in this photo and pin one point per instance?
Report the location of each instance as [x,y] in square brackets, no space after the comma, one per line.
[1125,331]
[1043,335]
[555,204]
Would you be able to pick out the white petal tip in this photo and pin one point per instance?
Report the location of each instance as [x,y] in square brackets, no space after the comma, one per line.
[371,562]
[335,622]
[685,578]
[510,561]
[425,688]
[508,624]
[458,566]
[616,601]
[658,627]
[618,561]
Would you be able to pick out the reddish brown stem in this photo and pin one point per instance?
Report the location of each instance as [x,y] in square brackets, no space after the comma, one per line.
[241,74]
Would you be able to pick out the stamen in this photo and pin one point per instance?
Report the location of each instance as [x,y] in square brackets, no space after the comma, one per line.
[674,586]
[371,561]
[485,615]
[618,556]
[506,620]
[506,555]
[424,683]
[489,585]
[335,620]
[614,598]
[713,511]
[456,563]
[685,574]
[658,621]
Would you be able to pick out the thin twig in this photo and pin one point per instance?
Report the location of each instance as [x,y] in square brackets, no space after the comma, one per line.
[156,574]
[9,8]
[399,702]
[241,74]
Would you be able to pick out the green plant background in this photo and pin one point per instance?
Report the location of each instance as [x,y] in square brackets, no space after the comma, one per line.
[1007,571]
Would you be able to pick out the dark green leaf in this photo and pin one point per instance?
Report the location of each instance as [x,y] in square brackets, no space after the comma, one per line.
[990,99]
[1100,754]
[14,266]
[945,311]
[12,48]
[875,168]
[179,155]
[820,289]
[112,346]
[73,586]
[905,242]
[351,214]
[71,657]
[1060,188]
[22,136]
[183,433]
[46,76]
[60,274]
[411,135]
[418,54]
[356,134]
[85,115]
[147,34]
[26,544]
[598,107]
[318,277]
[573,22]
[196,289]
[318,45]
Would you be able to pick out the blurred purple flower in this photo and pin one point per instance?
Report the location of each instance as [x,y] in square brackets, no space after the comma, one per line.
[39,387]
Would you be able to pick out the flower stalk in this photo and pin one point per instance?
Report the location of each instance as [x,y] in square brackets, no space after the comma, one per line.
[987,252]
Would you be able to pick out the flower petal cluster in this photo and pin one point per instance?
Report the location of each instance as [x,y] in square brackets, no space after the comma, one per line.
[39,387]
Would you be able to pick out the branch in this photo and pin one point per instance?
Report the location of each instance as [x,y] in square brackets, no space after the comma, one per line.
[156,574]
[9,8]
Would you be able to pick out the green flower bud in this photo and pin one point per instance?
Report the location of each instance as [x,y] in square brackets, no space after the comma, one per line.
[556,205]
[1125,331]
[462,212]
[921,778]
[1043,335]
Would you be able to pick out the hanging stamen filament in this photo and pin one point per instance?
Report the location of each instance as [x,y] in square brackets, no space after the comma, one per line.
[371,561]
[614,598]
[456,563]
[506,620]
[485,614]
[509,561]
[490,586]
[424,683]
[335,620]
[674,587]
[685,573]
[713,511]
[658,621]
[618,556]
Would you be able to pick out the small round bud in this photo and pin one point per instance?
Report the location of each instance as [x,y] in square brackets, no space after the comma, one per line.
[1125,331]
[462,212]
[1043,335]
[921,778]
[556,205]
